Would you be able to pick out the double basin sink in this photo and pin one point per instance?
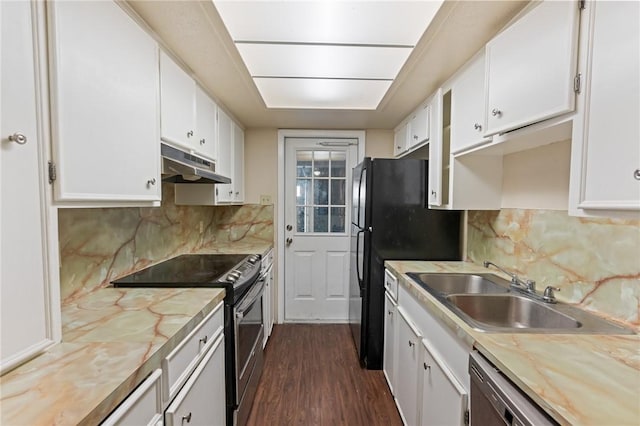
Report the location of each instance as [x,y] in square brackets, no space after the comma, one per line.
[486,302]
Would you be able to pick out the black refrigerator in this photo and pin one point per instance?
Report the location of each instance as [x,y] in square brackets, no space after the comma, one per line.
[390,221]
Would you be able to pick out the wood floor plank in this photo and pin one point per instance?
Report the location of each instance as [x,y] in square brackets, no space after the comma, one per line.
[312,376]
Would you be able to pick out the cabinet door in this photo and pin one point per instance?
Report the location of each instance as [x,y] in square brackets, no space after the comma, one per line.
[607,133]
[400,140]
[467,106]
[202,399]
[224,163]
[419,126]
[409,338]
[238,164]
[24,323]
[436,152]
[531,67]
[105,110]
[206,125]
[390,344]
[444,400]
[266,310]
[178,104]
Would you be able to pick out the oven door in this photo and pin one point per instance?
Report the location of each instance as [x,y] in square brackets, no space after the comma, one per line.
[248,332]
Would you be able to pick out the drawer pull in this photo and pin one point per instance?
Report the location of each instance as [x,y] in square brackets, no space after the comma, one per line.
[187,418]
[204,340]
[426,366]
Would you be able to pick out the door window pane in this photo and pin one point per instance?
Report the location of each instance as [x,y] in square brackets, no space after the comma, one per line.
[338,164]
[337,219]
[304,163]
[321,192]
[320,219]
[321,163]
[338,187]
[303,192]
[303,219]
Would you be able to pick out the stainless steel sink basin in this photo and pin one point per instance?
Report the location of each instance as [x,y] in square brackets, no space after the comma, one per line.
[445,284]
[511,311]
[487,303]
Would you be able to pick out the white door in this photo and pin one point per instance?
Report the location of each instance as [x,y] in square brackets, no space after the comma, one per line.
[317,218]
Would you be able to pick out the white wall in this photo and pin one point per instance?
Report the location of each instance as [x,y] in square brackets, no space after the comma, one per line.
[260,164]
[537,178]
[379,143]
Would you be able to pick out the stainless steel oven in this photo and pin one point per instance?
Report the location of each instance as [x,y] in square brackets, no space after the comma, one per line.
[249,329]
[239,275]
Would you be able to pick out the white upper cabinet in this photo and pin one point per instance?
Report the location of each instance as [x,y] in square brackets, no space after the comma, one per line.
[238,164]
[400,138]
[531,66]
[224,165]
[178,104]
[419,126]
[105,111]
[605,164]
[206,124]
[438,153]
[467,106]
[26,312]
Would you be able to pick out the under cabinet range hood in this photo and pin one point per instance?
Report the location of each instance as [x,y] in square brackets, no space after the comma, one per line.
[181,167]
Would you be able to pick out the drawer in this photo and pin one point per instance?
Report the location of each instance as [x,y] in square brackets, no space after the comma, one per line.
[202,399]
[142,407]
[179,364]
[391,284]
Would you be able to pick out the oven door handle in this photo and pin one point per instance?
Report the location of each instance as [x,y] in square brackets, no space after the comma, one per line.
[250,299]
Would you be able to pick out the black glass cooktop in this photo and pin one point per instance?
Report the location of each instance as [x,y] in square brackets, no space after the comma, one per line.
[189,270]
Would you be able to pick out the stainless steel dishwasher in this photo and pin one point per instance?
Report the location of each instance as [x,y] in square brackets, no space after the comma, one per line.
[497,401]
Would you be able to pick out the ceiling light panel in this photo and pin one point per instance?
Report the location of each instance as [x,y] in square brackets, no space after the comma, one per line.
[293,93]
[330,21]
[327,61]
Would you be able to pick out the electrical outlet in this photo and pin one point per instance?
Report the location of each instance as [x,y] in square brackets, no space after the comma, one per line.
[266,200]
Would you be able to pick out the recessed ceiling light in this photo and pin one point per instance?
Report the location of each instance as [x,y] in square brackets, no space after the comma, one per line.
[325,54]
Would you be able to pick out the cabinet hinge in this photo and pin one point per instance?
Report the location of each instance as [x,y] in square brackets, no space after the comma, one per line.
[52,172]
[582,4]
[577,83]
[466,417]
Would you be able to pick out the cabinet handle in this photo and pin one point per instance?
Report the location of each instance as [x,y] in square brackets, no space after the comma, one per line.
[190,133]
[477,126]
[238,193]
[18,138]
[496,112]
[411,343]
[390,312]
[415,137]
[230,192]
[426,366]
[151,182]
[187,418]
[636,174]
[204,339]
[202,141]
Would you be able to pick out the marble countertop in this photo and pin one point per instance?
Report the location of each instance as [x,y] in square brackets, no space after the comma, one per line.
[577,379]
[112,339]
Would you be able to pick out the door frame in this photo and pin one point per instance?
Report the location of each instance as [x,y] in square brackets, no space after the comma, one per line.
[279,241]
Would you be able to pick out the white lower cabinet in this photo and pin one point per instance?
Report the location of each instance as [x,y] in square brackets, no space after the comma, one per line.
[142,407]
[409,338]
[202,399]
[430,382]
[389,364]
[444,400]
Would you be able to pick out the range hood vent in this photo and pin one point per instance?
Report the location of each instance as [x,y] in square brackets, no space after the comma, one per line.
[181,167]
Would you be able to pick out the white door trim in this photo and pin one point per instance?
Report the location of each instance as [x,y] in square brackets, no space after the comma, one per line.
[293,133]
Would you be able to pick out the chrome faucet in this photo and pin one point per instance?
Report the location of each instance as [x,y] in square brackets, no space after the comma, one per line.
[528,287]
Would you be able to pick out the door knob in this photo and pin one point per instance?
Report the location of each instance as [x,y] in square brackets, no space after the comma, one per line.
[289,227]
[18,138]
[288,241]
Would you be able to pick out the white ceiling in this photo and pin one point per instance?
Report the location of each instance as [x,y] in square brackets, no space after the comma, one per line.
[325,54]
[194,32]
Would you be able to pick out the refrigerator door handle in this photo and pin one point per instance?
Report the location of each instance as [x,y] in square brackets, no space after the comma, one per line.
[362,172]
[358,275]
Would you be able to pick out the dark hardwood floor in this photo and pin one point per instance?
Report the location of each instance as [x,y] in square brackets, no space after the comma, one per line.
[311,376]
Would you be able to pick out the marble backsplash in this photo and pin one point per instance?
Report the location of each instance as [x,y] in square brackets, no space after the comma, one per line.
[99,245]
[595,262]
